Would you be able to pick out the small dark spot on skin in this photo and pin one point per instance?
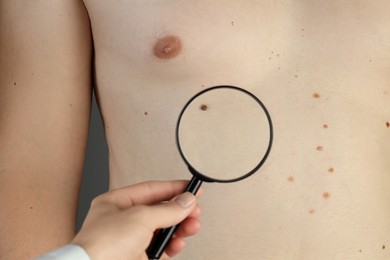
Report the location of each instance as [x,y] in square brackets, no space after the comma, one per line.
[202,86]
[370,60]
[70,105]
[320,148]
[290,179]
[387,124]
[145,113]
[167,47]
[360,251]
[312,211]
[278,55]
[31,207]
[331,170]
[279,68]
[326,195]
[316,95]
[325,126]
[296,76]
[203,107]
[232,23]
[270,58]
[383,247]
[14,83]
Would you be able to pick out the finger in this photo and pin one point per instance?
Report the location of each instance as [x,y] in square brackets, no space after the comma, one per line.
[189,227]
[164,215]
[176,245]
[146,193]
[196,212]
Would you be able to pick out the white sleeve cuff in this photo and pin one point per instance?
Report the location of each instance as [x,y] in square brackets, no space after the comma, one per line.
[67,252]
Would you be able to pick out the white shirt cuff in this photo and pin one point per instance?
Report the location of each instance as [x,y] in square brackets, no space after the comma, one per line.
[67,252]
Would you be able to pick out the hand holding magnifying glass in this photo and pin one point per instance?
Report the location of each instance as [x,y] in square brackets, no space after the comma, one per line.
[224,134]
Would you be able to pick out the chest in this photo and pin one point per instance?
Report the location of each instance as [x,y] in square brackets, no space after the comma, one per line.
[241,39]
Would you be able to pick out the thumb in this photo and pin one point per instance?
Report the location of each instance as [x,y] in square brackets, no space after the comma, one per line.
[168,214]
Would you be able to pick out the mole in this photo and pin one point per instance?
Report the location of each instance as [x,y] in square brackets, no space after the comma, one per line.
[312,211]
[316,95]
[290,178]
[145,113]
[383,247]
[326,195]
[31,207]
[203,107]
[319,148]
[331,169]
[167,47]
[325,126]
[14,83]
[387,124]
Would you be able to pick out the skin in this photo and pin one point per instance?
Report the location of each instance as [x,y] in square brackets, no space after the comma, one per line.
[313,63]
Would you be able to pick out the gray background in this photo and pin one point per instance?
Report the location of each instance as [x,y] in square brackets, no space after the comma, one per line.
[96,175]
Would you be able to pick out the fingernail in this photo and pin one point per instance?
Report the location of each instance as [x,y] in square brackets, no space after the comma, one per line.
[185,200]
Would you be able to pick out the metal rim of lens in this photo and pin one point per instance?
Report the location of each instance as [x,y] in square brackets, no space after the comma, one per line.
[205,177]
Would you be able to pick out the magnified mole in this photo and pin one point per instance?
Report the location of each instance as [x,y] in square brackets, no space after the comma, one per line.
[203,107]
[167,47]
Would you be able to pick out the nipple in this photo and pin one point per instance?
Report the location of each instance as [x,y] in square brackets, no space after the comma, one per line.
[167,47]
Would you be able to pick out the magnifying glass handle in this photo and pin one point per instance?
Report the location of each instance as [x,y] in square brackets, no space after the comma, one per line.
[158,245]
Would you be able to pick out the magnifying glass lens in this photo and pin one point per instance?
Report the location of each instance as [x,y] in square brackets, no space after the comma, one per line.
[223,134]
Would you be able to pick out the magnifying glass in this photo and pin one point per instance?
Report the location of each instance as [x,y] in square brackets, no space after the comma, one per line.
[224,134]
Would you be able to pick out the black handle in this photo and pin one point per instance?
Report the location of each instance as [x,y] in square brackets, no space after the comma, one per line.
[158,245]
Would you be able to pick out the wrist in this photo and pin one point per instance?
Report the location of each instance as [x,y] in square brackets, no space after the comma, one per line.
[69,251]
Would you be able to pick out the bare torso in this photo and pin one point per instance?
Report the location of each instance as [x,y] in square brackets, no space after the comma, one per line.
[323,71]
